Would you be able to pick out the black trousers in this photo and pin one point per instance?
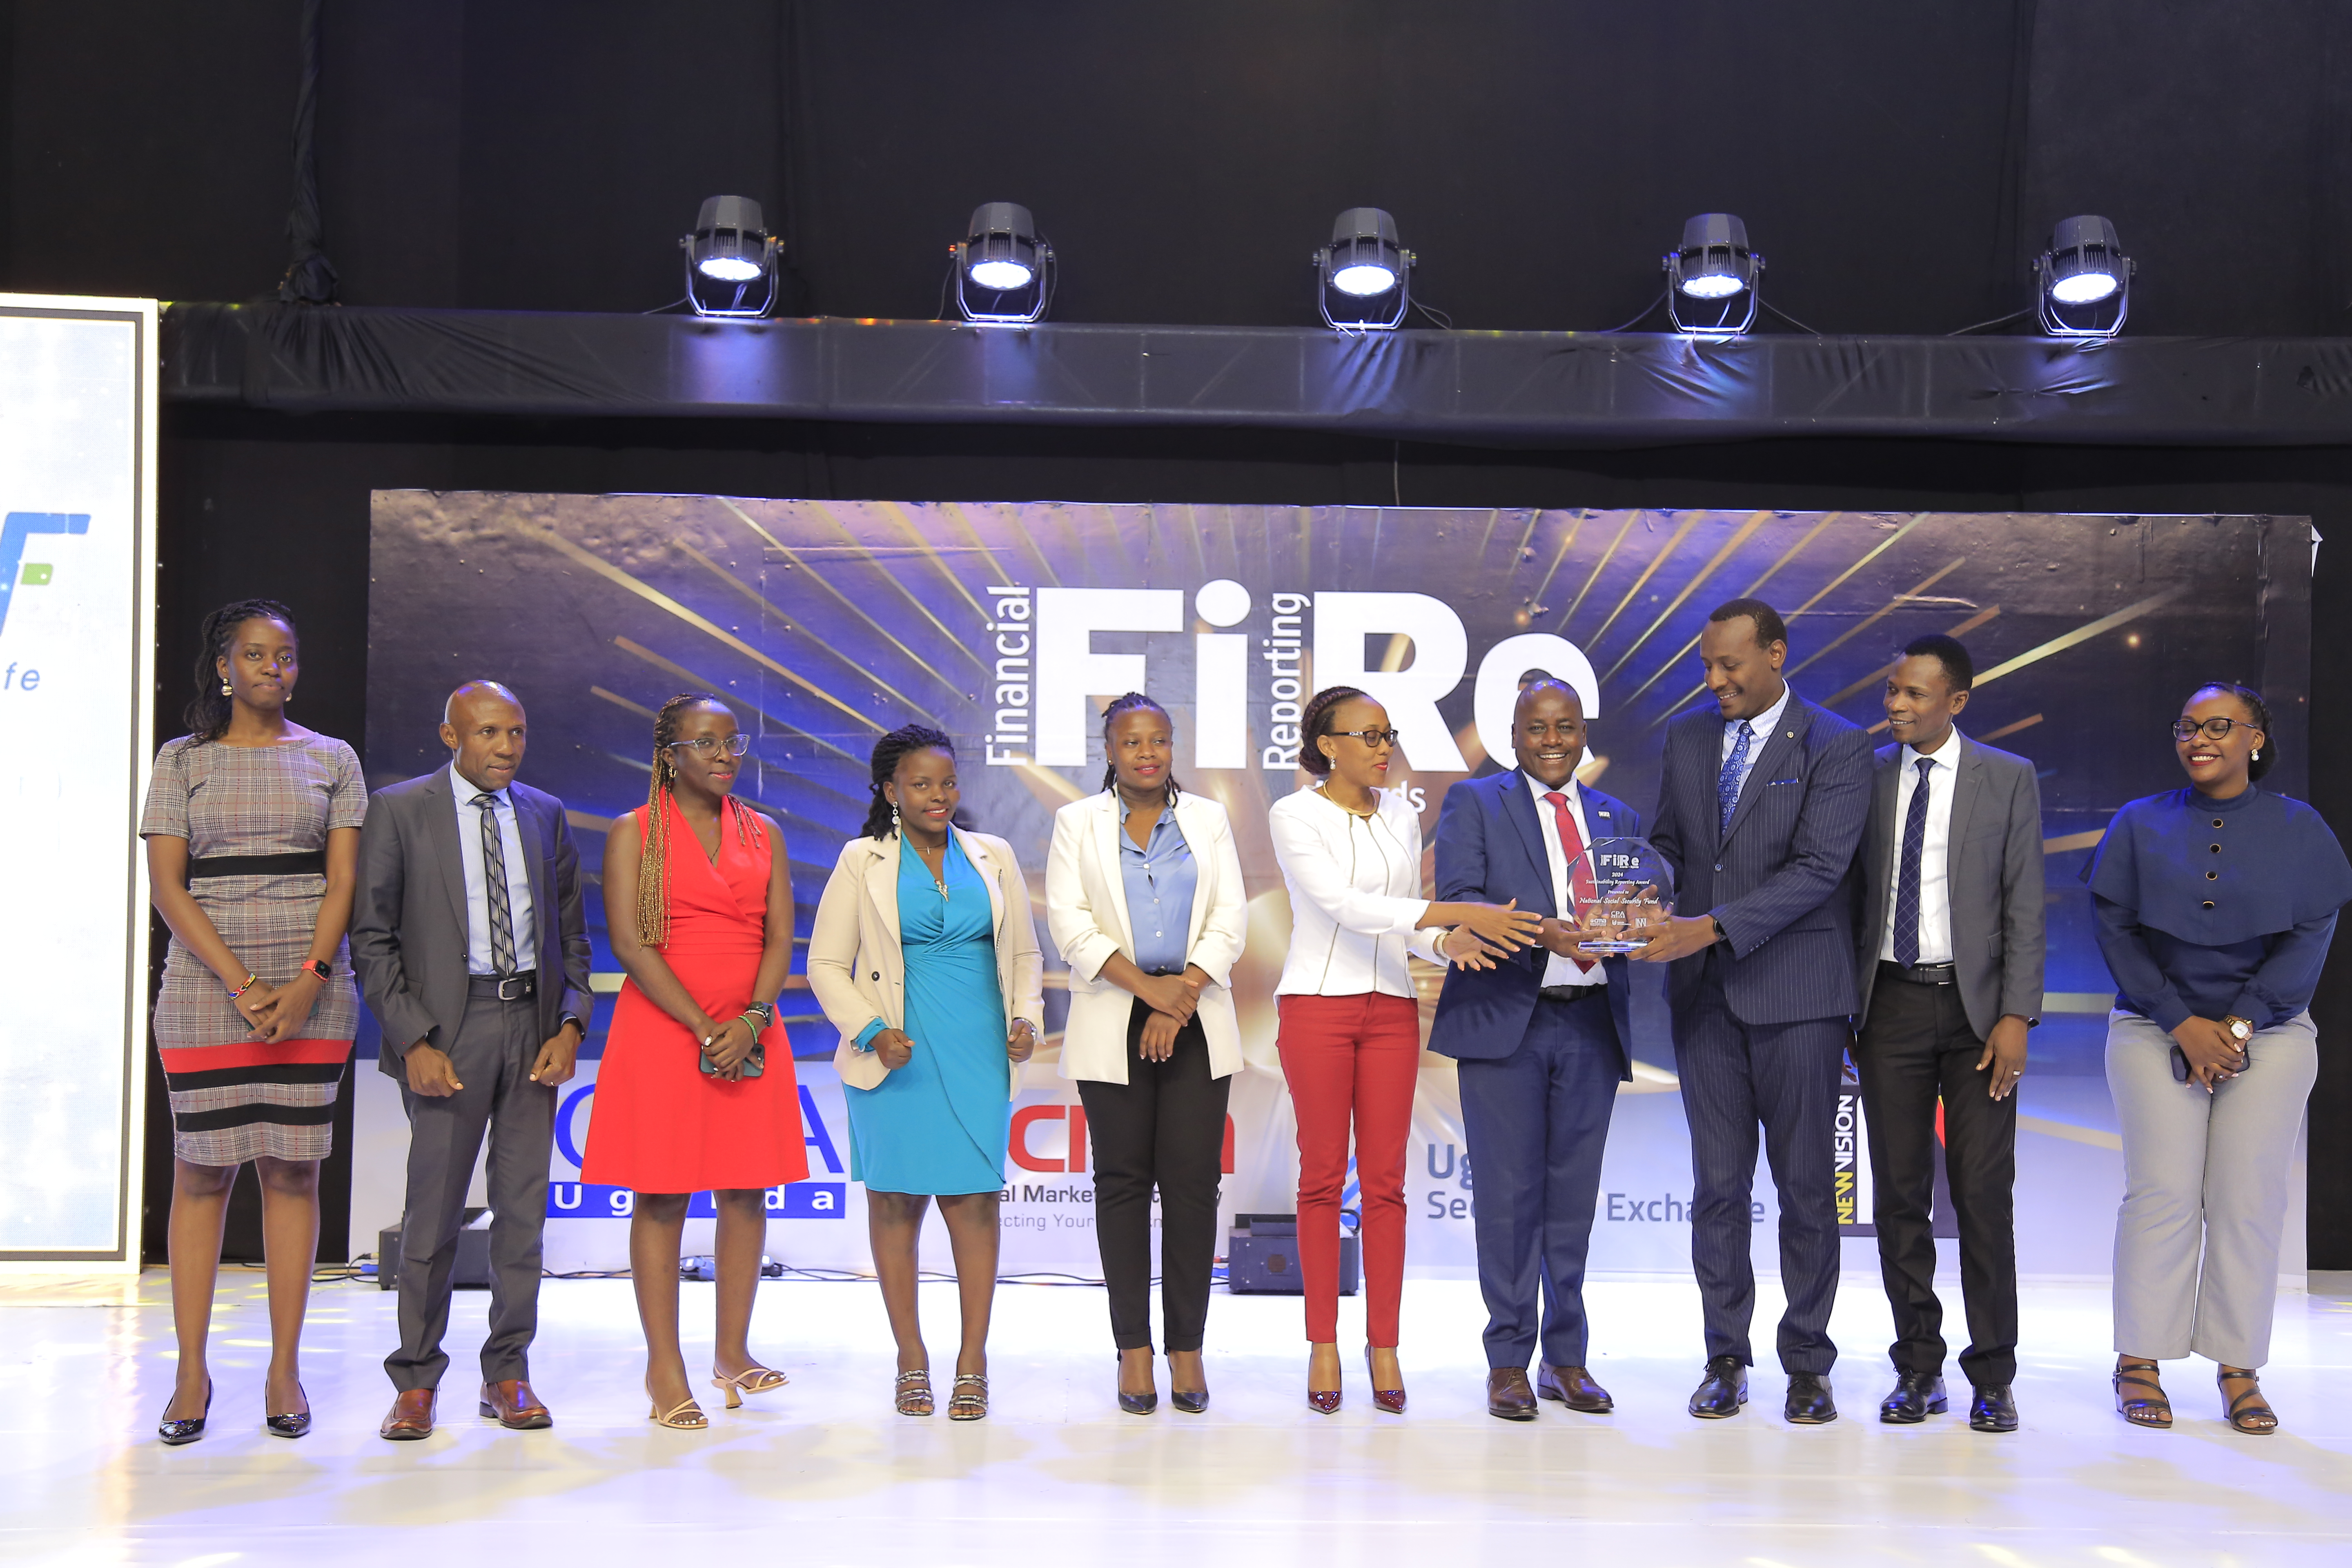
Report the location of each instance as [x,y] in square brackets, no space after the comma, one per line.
[1164,1127]
[1917,1048]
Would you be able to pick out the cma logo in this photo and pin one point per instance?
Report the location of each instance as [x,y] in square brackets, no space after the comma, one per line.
[1074,1156]
[19,527]
[594,1200]
[1047,671]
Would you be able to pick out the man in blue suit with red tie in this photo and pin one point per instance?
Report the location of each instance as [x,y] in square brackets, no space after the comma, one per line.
[1541,1042]
[1762,803]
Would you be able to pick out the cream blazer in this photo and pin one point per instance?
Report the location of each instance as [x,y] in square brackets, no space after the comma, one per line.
[858,971]
[1085,911]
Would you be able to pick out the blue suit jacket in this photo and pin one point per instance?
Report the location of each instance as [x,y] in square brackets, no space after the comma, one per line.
[1490,850]
[1774,876]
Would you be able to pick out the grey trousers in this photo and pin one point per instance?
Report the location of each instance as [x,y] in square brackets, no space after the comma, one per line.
[493,1052]
[2203,1173]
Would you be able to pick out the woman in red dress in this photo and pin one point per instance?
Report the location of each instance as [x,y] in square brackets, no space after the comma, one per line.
[695,1091]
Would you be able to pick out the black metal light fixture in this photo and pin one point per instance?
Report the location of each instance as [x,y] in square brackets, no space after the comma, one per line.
[731,260]
[1712,268]
[1004,268]
[1363,278]
[2084,280]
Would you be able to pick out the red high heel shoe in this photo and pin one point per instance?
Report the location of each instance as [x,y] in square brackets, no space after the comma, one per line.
[1388,1399]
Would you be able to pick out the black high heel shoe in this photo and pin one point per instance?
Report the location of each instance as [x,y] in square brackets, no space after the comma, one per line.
[178,1432]
[293,1425]
[1137,1403]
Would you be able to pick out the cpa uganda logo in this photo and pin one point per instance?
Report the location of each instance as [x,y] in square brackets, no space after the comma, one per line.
[14,532]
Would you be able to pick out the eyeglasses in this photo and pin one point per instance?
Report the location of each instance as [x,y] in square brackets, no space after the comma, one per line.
[1371,737]
[2214,729]
[705,747]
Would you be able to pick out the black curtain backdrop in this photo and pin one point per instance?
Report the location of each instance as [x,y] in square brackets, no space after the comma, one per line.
[1898,165]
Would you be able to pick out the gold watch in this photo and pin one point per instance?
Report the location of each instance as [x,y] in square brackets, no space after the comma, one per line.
[2240,1029]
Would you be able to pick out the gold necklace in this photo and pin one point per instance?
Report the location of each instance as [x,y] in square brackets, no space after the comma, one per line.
[1326,793]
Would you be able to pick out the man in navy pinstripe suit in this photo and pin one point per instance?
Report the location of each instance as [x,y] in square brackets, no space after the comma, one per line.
[1762,803]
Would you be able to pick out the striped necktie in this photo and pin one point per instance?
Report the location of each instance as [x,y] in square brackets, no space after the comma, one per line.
[494,873]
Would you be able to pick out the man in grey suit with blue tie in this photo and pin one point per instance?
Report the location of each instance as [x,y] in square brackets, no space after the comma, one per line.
[1542,1039]
[1761,800]
[1947,947]
[471,942]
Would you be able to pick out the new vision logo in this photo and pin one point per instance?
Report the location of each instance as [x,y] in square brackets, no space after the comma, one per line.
[19,527]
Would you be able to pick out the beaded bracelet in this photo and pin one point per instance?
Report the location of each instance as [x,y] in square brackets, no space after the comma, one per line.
[251,980]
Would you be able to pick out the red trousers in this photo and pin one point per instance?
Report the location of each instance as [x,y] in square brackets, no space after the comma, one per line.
[1351,1059]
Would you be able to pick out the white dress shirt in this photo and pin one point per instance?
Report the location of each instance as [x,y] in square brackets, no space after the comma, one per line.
[1935,889]
[1559,971]
[1761,728]
[477,881]
[1356,904]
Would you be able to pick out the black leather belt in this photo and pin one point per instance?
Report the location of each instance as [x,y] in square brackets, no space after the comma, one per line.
[311,862]
[1920,974]
[504,987]
[1570,992]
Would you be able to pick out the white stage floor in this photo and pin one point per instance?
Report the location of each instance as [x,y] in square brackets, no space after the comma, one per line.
[822,1472]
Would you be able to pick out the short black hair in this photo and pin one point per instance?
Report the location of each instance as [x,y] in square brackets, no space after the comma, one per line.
[1770,628]
[1960,670]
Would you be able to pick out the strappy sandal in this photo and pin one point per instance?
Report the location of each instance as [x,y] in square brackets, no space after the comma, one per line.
[962,1406]
[914,1395]
[751,1380]
[2154,1412]
[685,1416]
[2247,1413]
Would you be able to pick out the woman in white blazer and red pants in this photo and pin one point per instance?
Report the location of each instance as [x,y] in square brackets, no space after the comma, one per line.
[1144,898]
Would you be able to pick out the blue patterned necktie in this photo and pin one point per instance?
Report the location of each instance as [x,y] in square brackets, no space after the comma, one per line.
[1727,783]
[1907,880]
[494,873]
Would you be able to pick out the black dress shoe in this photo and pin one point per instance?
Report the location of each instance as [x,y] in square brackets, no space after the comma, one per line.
[1993,1409]
[188,1430]
[1723,1391]
[1917,1396]
[1810,1404]
[295,1425]
[1190,1404]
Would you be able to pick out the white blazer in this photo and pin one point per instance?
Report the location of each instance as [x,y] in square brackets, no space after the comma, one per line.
[1085,911]
[859,971]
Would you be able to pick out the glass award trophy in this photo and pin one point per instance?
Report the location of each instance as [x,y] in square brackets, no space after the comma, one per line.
[1625,894]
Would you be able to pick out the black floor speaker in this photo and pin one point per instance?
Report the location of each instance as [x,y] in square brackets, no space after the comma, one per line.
[1262,1257]
[471,1269]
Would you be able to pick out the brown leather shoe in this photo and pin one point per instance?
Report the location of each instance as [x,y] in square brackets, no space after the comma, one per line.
[1508,1397]
[411,1417]
[512,1405]
[1573,1387]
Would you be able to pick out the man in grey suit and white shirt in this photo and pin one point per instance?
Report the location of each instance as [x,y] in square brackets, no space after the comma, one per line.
[1949,944]
[471,942]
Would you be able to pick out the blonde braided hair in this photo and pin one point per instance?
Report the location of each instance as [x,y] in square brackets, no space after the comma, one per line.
[653,862]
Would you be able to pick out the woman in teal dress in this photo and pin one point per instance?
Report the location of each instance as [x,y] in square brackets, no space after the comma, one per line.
[925,957]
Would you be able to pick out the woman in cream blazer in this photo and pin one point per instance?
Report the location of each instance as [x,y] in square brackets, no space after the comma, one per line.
[925,957]
[1143,895]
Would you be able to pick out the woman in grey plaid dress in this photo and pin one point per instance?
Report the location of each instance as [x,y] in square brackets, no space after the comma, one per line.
[252,829]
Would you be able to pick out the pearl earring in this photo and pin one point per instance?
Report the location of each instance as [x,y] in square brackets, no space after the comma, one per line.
[225,689]
[2256,757]
[893,819]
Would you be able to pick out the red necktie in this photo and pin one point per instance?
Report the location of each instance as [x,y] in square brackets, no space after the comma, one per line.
[1580,872]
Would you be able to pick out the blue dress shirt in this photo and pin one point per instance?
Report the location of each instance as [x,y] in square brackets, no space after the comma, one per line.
[477,881]
[1160,878]
[1761,728]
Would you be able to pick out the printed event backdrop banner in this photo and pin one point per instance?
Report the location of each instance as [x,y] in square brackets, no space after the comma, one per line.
[825,623]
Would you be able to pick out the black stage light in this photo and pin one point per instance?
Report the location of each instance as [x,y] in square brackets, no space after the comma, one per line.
[1713,265]
[2084,280]
[1004,266]
[1363,277]
[727,254]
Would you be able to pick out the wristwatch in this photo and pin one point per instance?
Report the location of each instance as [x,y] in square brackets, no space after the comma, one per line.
[767,1015]
[576,1021]
[2240,1029]
[316,968]
[1720,934]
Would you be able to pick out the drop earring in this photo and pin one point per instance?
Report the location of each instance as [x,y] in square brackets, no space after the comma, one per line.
[893,819]
[227,690]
